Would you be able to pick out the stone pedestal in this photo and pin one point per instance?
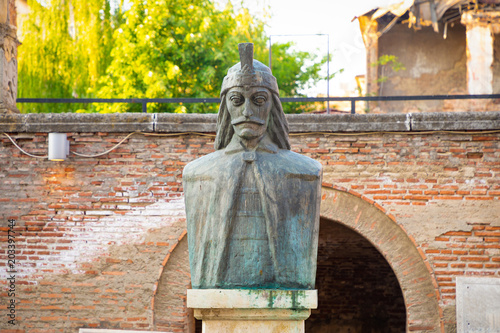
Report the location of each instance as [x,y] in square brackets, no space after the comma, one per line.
[242,310]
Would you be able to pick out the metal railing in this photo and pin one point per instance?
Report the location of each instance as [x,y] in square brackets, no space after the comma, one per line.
[353,100]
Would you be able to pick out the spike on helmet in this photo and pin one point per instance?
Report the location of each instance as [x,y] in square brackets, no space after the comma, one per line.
[249,72]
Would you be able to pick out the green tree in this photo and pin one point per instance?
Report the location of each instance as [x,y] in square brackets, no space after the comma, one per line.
[183,48]
[169,49]
[387,62]
[65,48]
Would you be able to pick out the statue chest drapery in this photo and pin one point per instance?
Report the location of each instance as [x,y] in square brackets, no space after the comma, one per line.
[248,253]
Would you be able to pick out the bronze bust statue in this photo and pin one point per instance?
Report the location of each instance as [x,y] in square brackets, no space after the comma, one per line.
[252,206]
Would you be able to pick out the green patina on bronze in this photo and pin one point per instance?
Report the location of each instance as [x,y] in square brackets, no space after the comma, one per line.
[279,299]
[252,206]
[271,299]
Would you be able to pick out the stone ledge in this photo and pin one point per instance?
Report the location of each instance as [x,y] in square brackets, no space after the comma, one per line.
[252,299]
[456,121]
[206,123]
[349,122]
[167,122]
[77,122]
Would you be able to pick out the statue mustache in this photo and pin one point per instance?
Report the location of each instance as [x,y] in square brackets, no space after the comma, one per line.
[255,120]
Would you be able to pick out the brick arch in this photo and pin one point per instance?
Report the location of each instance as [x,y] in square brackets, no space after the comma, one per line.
[410,267]
[168,305]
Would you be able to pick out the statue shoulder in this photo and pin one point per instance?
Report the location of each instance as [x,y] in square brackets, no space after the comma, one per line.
[301,164]
[202,165]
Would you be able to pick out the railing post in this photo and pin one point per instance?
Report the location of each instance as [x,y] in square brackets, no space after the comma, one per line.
[353,106]
[144,107]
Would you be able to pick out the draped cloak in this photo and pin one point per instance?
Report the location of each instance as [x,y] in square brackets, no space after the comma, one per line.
[289,186]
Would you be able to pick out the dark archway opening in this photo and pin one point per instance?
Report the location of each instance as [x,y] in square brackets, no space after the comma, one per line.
[357,289]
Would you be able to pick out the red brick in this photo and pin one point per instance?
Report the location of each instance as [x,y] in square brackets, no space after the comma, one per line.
[475,258]
[445,258]
[113,273]
[51,295]
[492,228]
[457,265]
[443,197]
[458,233]
[52,318]
[487,234]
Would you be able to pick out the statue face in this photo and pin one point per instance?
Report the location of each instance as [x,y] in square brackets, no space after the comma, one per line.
[249,108]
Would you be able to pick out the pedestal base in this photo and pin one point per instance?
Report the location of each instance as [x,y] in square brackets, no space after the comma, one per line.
[242,310]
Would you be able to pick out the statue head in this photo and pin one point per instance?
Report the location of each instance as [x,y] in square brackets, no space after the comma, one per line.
[250,105]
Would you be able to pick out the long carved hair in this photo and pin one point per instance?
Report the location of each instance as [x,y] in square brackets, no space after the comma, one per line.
[277,127]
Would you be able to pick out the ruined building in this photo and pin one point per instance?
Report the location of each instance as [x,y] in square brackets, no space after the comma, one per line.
[443,47]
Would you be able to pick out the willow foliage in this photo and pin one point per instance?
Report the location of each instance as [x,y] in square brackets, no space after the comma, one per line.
[66,46]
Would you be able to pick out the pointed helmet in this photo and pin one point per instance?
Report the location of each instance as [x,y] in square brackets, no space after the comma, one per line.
[249,72]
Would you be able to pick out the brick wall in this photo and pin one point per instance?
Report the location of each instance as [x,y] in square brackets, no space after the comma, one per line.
[442,188]
[97,234]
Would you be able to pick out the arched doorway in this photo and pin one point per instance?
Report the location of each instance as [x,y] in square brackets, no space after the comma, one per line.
[371,223]
[357,289]
[414,275]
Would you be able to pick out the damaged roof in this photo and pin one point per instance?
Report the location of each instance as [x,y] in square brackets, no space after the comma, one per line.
[419,13]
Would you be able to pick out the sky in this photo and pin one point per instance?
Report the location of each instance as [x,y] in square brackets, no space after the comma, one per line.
[332,17]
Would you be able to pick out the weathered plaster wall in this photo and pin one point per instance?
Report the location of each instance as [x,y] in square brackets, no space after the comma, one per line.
[434,66]
[496,63]
[98,233]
